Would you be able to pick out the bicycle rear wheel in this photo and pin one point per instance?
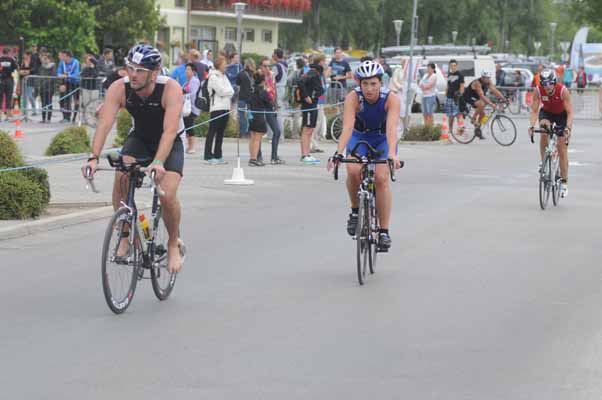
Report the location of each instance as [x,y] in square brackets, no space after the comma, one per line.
[362,238]
[463,134]
[120,261]
[503,130]
[162,280]
[336,128]
[545,182]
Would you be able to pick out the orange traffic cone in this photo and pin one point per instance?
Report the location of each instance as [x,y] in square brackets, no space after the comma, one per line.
[18,131]
[444,129]
[16,111]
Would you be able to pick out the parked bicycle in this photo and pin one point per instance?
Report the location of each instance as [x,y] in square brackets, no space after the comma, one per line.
[134,244]
[367,225]
[501,127]
[549,172]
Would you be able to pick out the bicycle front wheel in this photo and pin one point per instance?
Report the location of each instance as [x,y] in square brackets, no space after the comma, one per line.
[362,237]
[336,128]
[121,260]
[545,182]
[503,130]
[162,280]
[556,182]
[373,250]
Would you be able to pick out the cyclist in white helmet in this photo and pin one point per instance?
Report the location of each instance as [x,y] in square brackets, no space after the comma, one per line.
[476,95]
[372,115]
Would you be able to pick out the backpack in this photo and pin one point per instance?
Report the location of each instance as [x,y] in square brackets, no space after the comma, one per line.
[202,97]
[299,82]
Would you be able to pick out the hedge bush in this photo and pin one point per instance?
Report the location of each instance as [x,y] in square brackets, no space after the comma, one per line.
[70,141]
[10,156]
[423,133]
[20,198]
[39,176]
[124,125]
[24,193]
[201,131]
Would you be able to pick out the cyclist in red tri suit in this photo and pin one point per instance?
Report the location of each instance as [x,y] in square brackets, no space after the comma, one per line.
[555,101]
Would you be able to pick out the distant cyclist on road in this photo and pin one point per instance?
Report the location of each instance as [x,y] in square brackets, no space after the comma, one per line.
[372,115]
[476,95]
[155,103]
[556,107]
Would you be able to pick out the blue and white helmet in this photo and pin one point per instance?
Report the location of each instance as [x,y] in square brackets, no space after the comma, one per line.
[369,69]
[145,55]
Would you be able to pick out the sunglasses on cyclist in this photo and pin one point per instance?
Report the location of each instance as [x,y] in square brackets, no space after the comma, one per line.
[545,84]
[138,70]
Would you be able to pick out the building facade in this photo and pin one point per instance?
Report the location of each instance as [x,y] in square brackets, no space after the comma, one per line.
[211,24]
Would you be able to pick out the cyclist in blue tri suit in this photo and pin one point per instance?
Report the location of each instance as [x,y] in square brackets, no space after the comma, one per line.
[370,114]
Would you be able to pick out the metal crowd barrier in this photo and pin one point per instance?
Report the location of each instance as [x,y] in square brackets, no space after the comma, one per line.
[587,102]
[66,96]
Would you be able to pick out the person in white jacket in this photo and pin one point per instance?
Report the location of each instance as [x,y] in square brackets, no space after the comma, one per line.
[220,92]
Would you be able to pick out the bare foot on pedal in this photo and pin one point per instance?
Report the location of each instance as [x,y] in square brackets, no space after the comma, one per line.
[174,259]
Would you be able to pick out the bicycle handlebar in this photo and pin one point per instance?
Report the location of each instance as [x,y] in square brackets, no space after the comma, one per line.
[372,153]
[120,165]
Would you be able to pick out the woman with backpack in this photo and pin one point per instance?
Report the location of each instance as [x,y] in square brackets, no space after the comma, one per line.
[190,88]
[220,92]
[259,103]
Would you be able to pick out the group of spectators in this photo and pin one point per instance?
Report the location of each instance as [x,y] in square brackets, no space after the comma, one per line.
[259,95]
[64,76]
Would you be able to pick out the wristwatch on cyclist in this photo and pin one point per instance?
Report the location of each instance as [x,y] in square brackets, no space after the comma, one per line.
[92,157]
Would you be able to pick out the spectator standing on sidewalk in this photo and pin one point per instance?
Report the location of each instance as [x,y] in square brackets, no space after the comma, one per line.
[8,65]
[191,88]
[397,85]
[581,80]
[340,71]
[455,89]
[311,90]
[567,77]
[27,85]
[89,81]
[259,102]
[428,85]
[293,81]
[106,64]
[232,70]
[208,59]
[500,75]
[200,68]
[321,125]
[36,64]
[280,74]
[47,86]
[270,116]
[246,83]
[220,93]
[69,70]
[179,72]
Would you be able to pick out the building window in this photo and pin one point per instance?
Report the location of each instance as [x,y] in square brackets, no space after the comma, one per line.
[204,37]
[266,36]
[249,35]
[230,34]
[180,3]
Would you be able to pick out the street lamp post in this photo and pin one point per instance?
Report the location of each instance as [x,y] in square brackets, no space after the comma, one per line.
[537,45]
[553,26]
[565,47]
[429,40]
[410,62]
[506,45]
[454,36]
[398,24]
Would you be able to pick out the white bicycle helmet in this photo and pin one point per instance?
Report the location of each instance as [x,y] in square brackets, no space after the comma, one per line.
[485,74]
[369,69]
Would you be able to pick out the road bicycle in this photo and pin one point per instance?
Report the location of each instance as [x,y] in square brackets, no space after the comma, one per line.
[134,244]
[549,172]
[501,127]
[367,230]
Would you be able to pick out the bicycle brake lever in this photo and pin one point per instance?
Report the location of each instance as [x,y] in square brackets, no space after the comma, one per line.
[90,180]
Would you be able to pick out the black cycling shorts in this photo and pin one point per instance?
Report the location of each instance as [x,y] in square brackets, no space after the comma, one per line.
[558,119]
[310,117]
[135,147]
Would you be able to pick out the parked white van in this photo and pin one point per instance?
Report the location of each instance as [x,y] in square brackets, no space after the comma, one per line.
[468,65]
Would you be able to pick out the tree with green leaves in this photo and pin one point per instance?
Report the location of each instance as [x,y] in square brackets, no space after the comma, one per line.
[55,24]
